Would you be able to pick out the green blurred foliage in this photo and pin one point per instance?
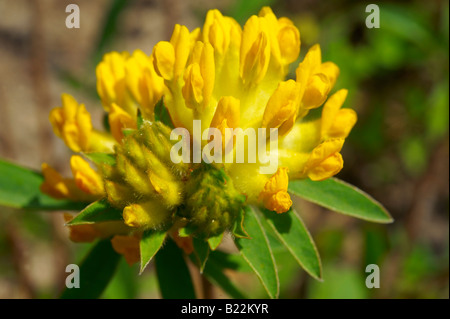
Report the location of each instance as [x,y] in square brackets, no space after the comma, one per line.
[398,79]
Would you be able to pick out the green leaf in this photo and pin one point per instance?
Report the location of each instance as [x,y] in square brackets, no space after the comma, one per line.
[230,261]
[238,229]
[243,9]
[140,119]
[214,273]
[340,282]
[162,114]
[257,252]
[124,284]
[151,242]
[293,234]
[109,29]
[99,211]
[215,241]
[128,131]
[201,252]
[96,271]
[173,274]
[341,197]
[100,158]
[186,231]
[19,188]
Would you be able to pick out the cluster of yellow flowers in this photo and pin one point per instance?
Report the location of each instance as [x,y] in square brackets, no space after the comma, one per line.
[227,77]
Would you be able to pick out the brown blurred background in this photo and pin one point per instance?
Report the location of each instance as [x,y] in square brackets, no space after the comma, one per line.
[398,152]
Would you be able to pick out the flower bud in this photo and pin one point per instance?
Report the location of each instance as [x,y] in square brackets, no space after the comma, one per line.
[212,202]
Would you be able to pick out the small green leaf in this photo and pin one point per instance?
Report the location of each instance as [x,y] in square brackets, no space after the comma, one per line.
[201,252]
[173,274]
[293,234]
[96,271]
[162,114]
[151,242]
[99,211]
[109,27]
[186,231]
[19,188]
[257,252]
[230,261]
[341,197]
[128,131]
[140,119]
[100,158]
[214,273]
[238,229]
[215,241]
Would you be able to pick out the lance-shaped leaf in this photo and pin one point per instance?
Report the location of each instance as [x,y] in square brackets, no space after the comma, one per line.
[101,158]
[162,114]
[238,227]
[341,197]
[99,211]
[214,272]
[257,252]
[215,241]
[151,242]
[291,231]
[173,274]
[201,252]
[96,271]
[19,188]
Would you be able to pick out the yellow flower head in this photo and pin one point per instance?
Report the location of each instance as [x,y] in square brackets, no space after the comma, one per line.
[226,77]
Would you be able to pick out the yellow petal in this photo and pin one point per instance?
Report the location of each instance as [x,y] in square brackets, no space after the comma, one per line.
[118,194]
[274,195]
[272,32]
[331,71]
[255,51]
[128,246]
[184,243]
[181,42]
[279,202]
[337,122]
[81,233]
[284,37]
[328,168]
[144,84]
[164,59]
[193,86]
[72,123]
[316,91]
[221,32]
[343,124]
[150,214]
[54,184]
[118,120]
[289,40]
[216,31]
[86,179]
[228,109]
[227,115]
[316,78]
[110,78]
[203,54]
[325,160]
[282,107]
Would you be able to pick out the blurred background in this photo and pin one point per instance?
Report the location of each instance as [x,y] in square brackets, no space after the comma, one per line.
[397,77]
